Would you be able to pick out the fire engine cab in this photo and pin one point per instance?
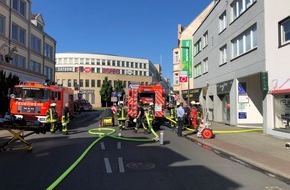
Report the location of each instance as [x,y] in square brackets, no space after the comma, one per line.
[147,94]
[31,100]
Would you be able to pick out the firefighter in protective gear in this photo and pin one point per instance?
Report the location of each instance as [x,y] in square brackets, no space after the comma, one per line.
[151,112]
[172,115]
[121,115]
[193,115]
[52,117]
[65,119]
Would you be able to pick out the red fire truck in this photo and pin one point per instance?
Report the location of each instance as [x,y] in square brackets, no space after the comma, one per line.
[31,100]
[147,94]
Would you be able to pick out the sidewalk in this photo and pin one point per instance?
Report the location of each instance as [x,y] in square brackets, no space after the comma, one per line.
[264,152]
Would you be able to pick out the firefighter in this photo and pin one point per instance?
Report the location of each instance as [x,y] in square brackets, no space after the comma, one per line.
[52,117]
[121,115]
[193,115]
[172,112]
[140,118]
[151,112]
[65,119]
[199,114]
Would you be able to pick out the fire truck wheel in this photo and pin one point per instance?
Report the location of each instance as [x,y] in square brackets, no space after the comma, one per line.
[207,133]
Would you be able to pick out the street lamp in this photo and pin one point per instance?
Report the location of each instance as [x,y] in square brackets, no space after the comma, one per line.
[187,56]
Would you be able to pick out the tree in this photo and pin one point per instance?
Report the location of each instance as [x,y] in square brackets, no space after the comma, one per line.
[106,91]
[6,83]
[120,88]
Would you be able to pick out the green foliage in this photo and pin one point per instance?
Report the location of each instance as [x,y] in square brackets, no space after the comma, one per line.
[120,88]
[6,83]
[106,90]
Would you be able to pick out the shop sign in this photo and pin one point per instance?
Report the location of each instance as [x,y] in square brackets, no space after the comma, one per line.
[110,71]
[64,69]
[242,115]
[224,87]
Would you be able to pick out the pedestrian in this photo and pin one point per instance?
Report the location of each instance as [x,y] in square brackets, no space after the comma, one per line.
[140,118]
[52,117]
[180,118]
[65,118]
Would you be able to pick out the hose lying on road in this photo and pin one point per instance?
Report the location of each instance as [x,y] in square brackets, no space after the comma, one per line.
[102,133]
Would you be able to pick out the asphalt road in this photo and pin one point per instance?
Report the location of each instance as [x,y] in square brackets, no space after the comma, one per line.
[82,160]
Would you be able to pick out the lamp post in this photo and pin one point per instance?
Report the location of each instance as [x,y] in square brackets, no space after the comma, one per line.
[187,57]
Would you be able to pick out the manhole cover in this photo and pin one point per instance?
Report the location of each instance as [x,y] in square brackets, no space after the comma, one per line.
[140,165]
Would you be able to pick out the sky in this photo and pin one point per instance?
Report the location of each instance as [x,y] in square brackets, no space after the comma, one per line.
[144,29]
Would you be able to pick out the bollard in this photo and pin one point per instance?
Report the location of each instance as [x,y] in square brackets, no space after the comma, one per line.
[119,134]
[161,137]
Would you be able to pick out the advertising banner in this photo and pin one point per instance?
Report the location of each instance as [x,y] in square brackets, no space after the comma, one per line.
[186,52]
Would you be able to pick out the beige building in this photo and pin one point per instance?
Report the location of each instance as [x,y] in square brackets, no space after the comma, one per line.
[183,80]
[25,49]
[95,67]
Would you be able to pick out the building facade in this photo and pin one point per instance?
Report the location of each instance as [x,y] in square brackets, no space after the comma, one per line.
[240,54]
[95,67]
[26,50]
[183,80]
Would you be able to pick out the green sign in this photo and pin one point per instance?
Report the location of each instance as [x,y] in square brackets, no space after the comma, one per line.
[186,52]
[264,81]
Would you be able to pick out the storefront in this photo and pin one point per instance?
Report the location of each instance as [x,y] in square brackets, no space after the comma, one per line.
[223,92]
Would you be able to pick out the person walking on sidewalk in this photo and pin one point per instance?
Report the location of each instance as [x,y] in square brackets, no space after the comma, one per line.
[140,118]
[180,117]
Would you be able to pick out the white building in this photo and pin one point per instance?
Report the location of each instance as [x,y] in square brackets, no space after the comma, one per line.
[239,47]
[95,67]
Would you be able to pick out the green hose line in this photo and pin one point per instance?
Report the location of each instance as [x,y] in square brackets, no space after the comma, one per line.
[60,178]
[102,132]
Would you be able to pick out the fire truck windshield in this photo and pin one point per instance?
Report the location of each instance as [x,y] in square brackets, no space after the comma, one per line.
[37,94]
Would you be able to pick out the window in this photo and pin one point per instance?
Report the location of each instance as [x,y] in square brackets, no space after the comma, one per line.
[98,83]
[2,24]
[48,72]
[197,70]
[223,22]
[34,66]
[205,65]
[240,6]
[18,33]
[81,82]
[69,83]
[244,42]
[176,79]
[19,60]
[197,47]
[284,28]
[223,54]
[48,51]
[87,83]
[75,83]
[35,44]
[176,57]
[63,82]
[93,83]
[20,7]
[205,39]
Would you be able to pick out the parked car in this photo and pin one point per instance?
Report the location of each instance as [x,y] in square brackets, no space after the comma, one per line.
[83,105]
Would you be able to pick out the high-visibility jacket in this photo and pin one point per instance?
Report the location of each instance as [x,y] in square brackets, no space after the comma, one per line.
[121,113]
[51,112]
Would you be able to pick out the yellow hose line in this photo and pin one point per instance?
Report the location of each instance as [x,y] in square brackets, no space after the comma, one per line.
[237,131]
[231,131]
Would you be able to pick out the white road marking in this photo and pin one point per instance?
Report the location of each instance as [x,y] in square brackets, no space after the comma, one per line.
[121,165]
[102,146]
[108,166]
[119,145]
